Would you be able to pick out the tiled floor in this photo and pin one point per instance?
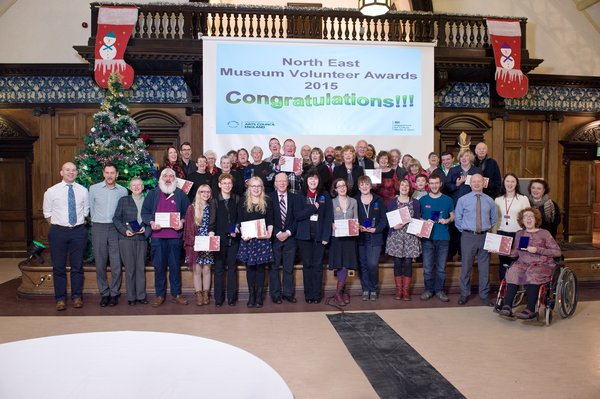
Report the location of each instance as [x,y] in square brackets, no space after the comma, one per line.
[483,355]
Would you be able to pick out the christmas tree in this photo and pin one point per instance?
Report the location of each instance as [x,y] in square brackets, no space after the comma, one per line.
[114,138]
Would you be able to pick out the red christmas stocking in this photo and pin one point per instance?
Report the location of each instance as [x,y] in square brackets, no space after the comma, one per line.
[505,36]
[115,25]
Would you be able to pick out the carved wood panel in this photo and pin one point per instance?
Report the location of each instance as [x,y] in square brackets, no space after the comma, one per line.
[580,201]
[13,204]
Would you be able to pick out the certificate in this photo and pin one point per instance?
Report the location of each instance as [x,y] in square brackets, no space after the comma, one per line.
[346,227]
[398,216]
[374,174]
[254,228]
[207,243]
[420,228]
[291,164]
[184,185]
[167,220]
[486,181]
[498,243]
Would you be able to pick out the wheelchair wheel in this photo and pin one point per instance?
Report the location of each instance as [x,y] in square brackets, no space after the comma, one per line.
[548,315]
[518,297]
[567,294]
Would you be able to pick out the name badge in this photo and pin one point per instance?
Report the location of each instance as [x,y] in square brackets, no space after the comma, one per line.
[314,218]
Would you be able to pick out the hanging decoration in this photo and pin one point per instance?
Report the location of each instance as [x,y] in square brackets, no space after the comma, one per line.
[115,25]
[505,36]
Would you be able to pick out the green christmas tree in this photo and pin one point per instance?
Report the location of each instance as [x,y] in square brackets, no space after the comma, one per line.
[114,138]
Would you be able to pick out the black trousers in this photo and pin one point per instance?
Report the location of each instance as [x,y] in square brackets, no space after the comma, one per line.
[226,260]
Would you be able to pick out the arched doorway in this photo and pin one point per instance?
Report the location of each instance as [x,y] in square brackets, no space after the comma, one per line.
[581,167]
[16,158]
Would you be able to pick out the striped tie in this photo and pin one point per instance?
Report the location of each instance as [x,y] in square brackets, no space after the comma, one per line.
[282,209]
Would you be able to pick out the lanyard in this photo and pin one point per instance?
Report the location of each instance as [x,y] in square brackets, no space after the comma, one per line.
[507,207]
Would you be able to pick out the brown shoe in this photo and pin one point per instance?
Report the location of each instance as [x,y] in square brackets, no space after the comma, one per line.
[61,305]
[205,297]
[158,301]
[180,299]
[77,303]
[199,301]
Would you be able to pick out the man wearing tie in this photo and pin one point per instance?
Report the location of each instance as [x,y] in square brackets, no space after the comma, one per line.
[285,206]
[65,208]
[475,214]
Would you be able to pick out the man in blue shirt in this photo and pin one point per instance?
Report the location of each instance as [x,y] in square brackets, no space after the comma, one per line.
[475,215]
[439,208]
[104,198]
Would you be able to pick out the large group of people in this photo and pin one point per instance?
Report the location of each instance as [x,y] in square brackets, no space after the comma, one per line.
[297,211]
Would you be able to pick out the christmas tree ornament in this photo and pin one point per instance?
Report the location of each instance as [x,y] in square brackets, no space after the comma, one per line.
[505,36]
[115,25]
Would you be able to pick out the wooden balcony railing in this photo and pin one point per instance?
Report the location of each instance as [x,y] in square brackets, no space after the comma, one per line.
[195,20]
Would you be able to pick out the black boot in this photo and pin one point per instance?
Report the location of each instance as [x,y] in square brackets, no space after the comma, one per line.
[251,297]
[259,297]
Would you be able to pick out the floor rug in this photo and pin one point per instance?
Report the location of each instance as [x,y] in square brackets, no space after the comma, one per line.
[393,367]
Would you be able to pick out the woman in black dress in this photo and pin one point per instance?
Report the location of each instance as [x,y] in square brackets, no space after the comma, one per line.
[257,252]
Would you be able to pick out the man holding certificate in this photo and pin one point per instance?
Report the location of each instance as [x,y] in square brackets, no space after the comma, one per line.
[164,211]
[475,215]
[438,208]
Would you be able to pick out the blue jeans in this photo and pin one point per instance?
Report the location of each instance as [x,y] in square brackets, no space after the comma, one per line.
[435,253]
[369,266]
[166,254]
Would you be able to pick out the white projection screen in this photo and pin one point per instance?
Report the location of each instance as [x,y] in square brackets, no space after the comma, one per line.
[318,92]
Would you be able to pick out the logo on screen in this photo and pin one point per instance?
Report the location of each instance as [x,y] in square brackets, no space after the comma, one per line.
[233,124]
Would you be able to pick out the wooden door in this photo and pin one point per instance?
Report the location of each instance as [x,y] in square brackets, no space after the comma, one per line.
[581,201]
[596,206]
[13,205]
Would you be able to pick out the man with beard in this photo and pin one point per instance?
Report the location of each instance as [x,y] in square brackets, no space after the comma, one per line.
[439,208]
[331,164]
[104,198]
[65,208]
[166,241]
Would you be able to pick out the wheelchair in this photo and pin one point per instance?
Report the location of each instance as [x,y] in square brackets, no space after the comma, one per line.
[560,292]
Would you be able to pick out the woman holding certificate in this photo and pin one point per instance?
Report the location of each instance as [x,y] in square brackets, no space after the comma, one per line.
[313,233]
[509,204]
[255,215]
[200,220]
[535,250]
[372,221]
[342,253]
[401,245]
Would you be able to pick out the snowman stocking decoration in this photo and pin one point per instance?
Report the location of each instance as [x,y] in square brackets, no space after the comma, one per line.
[115,25]
[505,36]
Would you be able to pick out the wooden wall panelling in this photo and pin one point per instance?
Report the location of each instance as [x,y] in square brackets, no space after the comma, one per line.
[596,205]
[580,201]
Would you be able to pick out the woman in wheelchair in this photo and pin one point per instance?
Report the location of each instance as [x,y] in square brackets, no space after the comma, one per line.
[535,250]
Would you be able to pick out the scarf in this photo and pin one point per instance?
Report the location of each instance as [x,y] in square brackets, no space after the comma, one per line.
[545,203]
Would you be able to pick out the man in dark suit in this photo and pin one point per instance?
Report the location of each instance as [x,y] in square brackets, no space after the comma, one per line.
[361,159]
[285,207]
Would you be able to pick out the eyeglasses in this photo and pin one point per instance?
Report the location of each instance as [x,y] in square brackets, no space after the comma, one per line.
[341,186]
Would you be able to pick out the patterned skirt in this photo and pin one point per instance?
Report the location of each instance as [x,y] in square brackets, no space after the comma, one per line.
[255,252]
[400,244]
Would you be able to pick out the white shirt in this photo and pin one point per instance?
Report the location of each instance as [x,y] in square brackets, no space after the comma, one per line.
[56,204]
[513,206]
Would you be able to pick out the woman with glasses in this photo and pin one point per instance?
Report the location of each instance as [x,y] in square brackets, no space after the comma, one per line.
[313,233]
[372,221]
[256,252]
[200,220]
[342,254]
